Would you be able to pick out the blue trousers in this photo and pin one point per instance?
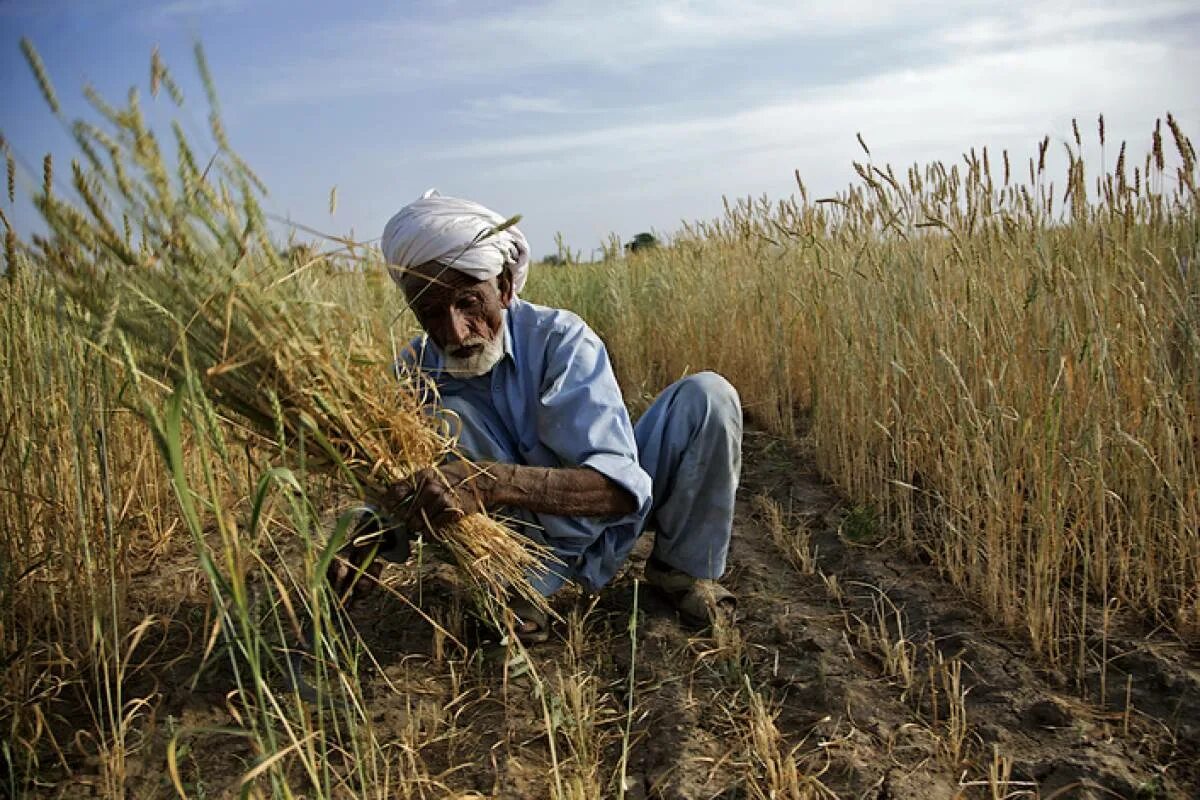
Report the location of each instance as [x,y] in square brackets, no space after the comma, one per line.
[689,442]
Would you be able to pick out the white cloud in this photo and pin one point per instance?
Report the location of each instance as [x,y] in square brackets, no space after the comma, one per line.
[629,177]
[503,106]
[196,8]
[1057,20]
[630,34]
[976,96]
[520,104]
[584,166]
[392,56]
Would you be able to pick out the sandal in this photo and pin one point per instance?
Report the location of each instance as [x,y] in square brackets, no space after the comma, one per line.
[700,601]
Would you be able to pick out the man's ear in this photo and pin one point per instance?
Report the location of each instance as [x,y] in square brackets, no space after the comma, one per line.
[504,283]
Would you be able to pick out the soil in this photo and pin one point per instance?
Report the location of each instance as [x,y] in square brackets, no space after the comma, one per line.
[801,689]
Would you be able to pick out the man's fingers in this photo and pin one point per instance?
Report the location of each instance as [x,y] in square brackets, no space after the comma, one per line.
[337,572]
[426,504]
[398,493]
[438,498]
[434,507]
[353,573]
[434,521]
[448,517]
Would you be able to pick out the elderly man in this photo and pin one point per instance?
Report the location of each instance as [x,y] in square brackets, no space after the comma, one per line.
[541,418]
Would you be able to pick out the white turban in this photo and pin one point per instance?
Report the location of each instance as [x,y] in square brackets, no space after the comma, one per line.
[454,232]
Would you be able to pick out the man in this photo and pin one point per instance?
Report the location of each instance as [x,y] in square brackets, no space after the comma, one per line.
[541,419]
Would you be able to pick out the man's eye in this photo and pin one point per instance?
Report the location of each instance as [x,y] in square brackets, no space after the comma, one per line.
[427,315]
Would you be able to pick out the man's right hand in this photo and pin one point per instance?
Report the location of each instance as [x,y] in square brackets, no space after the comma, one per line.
[354,571]
[371,539]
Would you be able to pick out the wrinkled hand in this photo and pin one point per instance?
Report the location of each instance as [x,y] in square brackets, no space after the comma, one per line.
[356,567]
[438,497]
[353,572]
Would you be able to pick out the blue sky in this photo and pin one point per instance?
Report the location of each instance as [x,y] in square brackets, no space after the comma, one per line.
[596,118]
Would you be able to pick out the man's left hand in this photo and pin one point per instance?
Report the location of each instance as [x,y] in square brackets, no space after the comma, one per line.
[438,497]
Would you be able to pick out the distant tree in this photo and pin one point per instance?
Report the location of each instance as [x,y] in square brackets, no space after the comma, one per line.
[643,241]
[554,260]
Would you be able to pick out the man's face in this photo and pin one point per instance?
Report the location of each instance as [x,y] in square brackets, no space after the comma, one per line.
[463,316]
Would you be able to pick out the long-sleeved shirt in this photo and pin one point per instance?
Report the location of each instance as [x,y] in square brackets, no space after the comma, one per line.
[552,401]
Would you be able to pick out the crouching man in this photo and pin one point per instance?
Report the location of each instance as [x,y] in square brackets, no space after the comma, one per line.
[538,412]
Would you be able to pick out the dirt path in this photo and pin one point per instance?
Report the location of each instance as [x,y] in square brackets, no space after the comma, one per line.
[1144,742]
[885,681]
[854,673]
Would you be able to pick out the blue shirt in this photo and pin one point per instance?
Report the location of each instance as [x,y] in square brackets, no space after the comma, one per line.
[552,401]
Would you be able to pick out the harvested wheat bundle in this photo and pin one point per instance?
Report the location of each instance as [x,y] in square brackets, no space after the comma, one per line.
[183,270]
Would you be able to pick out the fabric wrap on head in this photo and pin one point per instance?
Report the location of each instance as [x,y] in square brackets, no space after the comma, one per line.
[454,232]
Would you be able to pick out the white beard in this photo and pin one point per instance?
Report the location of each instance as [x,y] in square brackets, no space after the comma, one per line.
[481,363]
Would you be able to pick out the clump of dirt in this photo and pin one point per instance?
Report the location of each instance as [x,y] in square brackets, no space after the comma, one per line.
[852,672]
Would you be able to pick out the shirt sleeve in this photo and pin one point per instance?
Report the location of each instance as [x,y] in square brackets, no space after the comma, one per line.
[582,417]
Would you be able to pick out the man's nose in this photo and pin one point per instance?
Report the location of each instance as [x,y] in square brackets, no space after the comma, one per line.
[458,328]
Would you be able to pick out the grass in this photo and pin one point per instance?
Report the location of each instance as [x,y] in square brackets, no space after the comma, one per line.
[1004,377]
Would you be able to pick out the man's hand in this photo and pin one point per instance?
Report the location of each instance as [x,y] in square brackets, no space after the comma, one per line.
[438,497]
[354,572]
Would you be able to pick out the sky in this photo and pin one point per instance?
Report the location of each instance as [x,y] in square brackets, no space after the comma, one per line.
[593,119]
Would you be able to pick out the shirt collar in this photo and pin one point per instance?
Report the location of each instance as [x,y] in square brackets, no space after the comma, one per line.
[506,332]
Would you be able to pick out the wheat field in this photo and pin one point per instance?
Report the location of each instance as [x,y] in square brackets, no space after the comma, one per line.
[996,370]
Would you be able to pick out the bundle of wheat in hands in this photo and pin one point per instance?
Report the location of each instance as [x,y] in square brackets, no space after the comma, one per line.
[375,433]
[267,364]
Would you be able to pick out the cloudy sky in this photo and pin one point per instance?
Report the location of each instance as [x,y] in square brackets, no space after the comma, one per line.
[595,118]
